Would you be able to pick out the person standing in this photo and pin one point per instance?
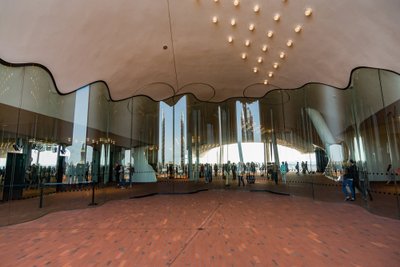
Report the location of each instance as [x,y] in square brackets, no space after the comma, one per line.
[215,169]
[241,172]
[283,172]
[234,170]
[348,182]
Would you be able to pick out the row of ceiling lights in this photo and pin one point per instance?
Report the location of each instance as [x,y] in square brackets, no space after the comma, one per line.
[270,33]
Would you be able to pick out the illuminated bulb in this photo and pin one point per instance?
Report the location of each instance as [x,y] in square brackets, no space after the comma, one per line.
[270,33]
[276,65]
[265,82]
[256,8]
[289,43]
[215,19]
[270,74]
[308,12]
[230,39]
[247,43]
[236,2]
[244,56]
[233,22]
[255,69]
[251,27]
[297,28]
[215,1]
[282,55]
[264,48]
[260,60]
[277,17]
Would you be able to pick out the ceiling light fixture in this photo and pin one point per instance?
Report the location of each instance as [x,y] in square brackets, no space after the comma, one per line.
[236,2]
[270,34]
[276,65]
[215,19]
[230,39]
[277,16]
[297,28]
[251,27]
[260,60]
[308,12]
[247,43]
[256,8]
[233,22]
[244,55]
[265,82]
[264,48]
[255,69]
[282,55]
[270,74]
[289,43]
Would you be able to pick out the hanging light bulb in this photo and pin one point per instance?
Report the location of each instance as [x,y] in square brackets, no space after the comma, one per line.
[259,59]
[215,19]
[282,55]
[233,22]
[265,82]
[230,39]
[264,48]
[256,8]
[297,28]
[270,34]
[244,56]
[270,74]
[255,69]
[236,2]
[247,43]
[308,12]
[277,16]
[251,27]
[289,43]
[276,65]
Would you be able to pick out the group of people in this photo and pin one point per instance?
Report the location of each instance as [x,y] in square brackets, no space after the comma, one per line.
[304,168]
[351,181]
[119,173]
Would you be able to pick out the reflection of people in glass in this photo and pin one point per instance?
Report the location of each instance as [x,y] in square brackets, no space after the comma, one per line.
[389,174]
[274,173]
[121,176]
[70,172]
[28,177]
[348,182]
[354,173]
[116,172]
[131,171]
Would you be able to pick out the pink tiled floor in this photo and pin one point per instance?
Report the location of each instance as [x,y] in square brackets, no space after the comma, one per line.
[213,228]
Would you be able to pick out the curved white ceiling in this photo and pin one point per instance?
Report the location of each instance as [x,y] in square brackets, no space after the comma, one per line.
[121,42]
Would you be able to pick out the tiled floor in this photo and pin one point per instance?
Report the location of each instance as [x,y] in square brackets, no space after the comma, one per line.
[211,228]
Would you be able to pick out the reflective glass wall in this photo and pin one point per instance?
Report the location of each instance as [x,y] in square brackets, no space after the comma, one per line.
[296,141]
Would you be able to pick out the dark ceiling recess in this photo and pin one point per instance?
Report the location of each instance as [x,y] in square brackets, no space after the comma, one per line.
[165,47]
